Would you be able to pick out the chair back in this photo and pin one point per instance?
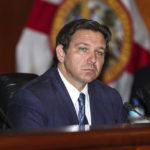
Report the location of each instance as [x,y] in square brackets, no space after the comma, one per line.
[9,84]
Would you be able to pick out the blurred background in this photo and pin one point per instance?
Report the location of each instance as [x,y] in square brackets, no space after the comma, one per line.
[14,18]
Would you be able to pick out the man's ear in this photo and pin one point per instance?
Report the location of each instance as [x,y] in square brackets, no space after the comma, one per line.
[60,53]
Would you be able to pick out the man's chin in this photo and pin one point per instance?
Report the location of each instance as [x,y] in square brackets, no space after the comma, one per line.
[88,80]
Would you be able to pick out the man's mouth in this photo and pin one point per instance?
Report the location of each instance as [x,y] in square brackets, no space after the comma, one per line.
[89,70]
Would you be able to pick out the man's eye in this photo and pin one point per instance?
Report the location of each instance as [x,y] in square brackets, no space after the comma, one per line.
[82,48]
[100,53]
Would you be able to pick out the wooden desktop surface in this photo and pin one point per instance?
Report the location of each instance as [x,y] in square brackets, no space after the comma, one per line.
[123,137]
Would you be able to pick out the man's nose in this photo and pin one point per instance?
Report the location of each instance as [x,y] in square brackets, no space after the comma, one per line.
[92,58]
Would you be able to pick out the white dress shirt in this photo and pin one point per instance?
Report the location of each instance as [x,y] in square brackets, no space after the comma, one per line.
[74,94]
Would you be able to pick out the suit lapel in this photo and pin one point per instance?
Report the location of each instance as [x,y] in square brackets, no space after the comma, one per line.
[67,109]
[96,106]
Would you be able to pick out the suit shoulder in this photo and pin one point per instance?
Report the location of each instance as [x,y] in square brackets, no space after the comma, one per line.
[99,86]
[46,80]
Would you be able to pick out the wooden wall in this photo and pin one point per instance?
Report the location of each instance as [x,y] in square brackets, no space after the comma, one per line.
[144,8]
[13,16]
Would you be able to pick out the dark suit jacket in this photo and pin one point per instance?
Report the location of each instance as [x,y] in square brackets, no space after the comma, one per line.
[45,102]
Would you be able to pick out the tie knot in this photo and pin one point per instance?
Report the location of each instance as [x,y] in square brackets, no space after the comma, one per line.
[81,99]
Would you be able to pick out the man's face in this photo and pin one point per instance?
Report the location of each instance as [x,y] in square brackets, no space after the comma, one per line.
[83,61]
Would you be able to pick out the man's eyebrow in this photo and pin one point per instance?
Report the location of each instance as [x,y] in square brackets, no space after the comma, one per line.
[81,43]
[102,48]
[86,44]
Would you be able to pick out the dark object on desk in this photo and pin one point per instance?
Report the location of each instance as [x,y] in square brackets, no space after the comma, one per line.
[143,94]
[141,87]
[9,84]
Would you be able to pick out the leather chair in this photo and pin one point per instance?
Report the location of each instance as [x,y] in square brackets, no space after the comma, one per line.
[9,84]
[141,88]
[143,94]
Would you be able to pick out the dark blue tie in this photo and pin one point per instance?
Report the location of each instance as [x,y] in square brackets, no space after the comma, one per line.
[81,114]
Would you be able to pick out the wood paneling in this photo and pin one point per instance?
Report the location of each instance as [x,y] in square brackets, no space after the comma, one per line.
[13,16]
[144,8]
[129,137]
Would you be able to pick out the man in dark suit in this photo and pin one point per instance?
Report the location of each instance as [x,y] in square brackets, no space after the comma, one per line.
[51,100]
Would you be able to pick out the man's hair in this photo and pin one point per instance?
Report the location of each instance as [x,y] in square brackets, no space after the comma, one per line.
[65,34]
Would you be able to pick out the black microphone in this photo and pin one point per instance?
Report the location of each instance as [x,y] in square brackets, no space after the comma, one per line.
[129,107]
[5,119]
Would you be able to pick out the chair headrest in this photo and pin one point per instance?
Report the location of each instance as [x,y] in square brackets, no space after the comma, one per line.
[10,83]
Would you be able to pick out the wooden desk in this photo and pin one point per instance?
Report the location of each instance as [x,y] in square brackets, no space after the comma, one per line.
[124,137]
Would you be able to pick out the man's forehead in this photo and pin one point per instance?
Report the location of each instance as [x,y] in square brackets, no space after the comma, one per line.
[83,33]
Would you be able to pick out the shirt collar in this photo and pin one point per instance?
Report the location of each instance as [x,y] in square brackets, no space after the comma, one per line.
[73,92]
